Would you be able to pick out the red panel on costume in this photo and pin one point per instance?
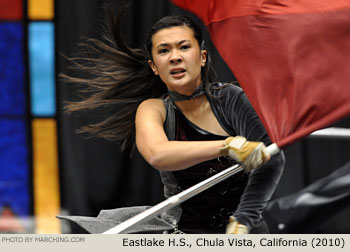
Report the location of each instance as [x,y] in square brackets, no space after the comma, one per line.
[292,58]
[11,9]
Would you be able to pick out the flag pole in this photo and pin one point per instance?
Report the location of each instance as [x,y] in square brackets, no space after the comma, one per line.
[181,197]
[332,132]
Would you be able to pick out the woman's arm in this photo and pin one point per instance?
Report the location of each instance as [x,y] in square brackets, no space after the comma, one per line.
[239,118]
[161,153]
[263,180]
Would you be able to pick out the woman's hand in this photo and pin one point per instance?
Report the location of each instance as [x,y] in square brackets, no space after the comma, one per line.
[234,227]
[250,154]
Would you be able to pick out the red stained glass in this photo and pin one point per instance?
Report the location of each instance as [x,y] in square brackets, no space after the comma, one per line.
[11,9]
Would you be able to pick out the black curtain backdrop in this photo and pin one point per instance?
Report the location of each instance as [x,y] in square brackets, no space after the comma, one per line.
[95,175]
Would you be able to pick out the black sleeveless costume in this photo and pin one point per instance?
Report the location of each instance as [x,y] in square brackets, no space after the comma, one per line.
[209,210]
[244,196]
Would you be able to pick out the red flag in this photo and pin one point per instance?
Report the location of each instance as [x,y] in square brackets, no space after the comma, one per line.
[292,58]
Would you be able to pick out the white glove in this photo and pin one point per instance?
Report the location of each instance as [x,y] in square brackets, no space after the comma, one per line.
[234,227]
[250,154]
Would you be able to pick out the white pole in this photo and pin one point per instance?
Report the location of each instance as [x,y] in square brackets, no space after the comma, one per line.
[332,132]
[181,197]
[174,200]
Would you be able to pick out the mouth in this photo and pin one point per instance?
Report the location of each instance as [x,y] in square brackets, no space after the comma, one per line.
[177,71]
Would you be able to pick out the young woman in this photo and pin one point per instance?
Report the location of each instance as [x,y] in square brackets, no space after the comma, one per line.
[184,125]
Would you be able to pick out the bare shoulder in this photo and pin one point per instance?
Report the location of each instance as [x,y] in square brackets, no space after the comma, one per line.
[152,107]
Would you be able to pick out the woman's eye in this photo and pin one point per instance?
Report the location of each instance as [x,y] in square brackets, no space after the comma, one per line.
[184,47]
[163,51]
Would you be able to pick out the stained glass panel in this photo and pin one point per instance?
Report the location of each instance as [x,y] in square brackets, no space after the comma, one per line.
[12,69]
[11,9]
[42,69]
[14,166]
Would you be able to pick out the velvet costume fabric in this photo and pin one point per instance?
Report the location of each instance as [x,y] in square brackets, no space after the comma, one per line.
[209,211]
[236,115]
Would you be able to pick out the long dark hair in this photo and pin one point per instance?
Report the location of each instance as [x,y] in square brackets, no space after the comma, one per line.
[118,75]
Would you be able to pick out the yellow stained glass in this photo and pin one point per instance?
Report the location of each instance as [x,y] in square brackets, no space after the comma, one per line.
[41,9]
[45,176]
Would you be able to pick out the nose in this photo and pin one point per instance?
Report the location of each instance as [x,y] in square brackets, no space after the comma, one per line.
[175,57]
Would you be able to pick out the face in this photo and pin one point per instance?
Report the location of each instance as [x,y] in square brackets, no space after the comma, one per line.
[177,59]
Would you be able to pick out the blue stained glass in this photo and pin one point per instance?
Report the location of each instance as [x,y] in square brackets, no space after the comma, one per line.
[42,68]
[17,197]
[14,166]
[12,69]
